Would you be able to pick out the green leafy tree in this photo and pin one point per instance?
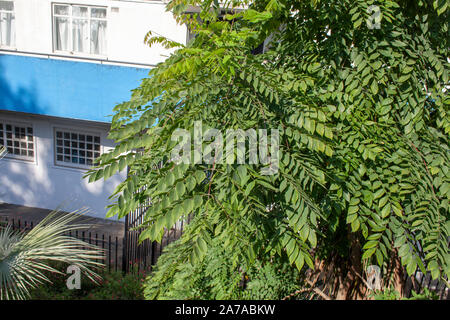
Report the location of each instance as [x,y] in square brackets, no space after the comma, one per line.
[362,115]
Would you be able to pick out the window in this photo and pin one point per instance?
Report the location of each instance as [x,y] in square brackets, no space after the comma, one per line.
[18,140]
[190,35]
[76,149]
[79,29]
[7,24]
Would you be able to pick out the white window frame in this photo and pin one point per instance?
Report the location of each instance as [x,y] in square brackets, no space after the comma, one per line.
[71,17]
[13,42]
[77,131]
[3,140]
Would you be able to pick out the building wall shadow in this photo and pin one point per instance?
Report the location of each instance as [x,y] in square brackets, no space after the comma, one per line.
[15,96]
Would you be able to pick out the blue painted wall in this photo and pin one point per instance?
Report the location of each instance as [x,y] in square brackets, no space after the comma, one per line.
[69,89]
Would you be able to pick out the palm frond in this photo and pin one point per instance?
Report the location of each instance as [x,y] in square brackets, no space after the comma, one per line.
[24,257]
[2,151]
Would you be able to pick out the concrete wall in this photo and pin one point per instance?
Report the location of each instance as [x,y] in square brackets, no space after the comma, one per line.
[127,24]
[43,184]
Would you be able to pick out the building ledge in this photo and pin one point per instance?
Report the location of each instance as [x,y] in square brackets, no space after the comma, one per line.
[58,56]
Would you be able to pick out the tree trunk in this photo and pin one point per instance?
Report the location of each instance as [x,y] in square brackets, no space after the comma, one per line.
[398,275]
[344,278]
[351,285]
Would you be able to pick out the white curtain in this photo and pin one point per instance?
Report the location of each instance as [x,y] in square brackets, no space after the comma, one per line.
[7,29]
[84,31]
[80,35]
[98,37]
[62,34]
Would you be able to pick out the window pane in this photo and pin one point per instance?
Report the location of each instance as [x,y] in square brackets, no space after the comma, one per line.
[63,10]
[80,30]
[16,140]
[80,35]
[7,29]
[78,11]
[62,34]
[98,37]
[7,5]
[98,13]
[76,151]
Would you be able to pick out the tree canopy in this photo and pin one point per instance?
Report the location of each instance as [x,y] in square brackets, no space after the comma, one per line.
[359,96]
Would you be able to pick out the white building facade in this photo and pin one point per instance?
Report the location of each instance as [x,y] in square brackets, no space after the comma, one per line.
[63,67]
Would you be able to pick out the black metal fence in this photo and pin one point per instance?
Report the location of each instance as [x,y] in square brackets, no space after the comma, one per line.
[121,253]
[419,282]
[145,254]
[111,245]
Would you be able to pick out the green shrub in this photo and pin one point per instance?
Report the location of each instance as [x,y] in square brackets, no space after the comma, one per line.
[219,277]
[114,286]
[117,286]
[392,294]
